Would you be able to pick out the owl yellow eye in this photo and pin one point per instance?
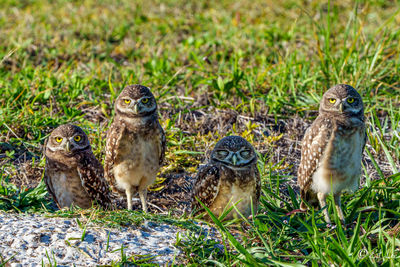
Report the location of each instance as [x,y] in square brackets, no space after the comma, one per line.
[127,101]
[145,100]
[77,138]
[350,100]
[332,100]
[59,139]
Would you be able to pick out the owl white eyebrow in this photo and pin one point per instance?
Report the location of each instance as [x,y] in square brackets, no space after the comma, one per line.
[61,148]
[55,148]
[230,155]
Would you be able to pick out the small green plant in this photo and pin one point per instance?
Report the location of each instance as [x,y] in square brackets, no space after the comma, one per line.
[23,199]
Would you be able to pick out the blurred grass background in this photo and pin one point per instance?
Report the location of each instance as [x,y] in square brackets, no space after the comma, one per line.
[254,68]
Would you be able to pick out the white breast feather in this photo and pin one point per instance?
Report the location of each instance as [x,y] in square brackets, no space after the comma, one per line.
[241,197]
[62,192]
[346,159]
[141,162]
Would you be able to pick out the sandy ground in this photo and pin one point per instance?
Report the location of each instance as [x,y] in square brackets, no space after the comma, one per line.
[30,240]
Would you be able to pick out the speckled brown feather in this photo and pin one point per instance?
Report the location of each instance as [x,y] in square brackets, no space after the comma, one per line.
[163,144]
[114,135]
[92,176]
[213,177]
[206,186]
[321,127]
[118,129]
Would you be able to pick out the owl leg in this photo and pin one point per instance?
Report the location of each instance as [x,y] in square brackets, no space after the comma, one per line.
[143,196]
[322,203]
[128,192]
[338,207]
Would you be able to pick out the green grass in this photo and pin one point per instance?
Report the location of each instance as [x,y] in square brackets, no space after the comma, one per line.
[268,62]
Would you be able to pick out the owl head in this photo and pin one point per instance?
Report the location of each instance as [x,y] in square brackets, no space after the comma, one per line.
[233,151]
[342,99]
[135,101]
[67,139]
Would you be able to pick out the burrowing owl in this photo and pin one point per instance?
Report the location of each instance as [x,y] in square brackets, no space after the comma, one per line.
[72,174]
[230,176]
[135,143]
[332,149]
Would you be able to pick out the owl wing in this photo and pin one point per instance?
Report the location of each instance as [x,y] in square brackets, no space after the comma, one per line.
[92,177]
[162,144]
[114,137]
[314,144]
[206,187]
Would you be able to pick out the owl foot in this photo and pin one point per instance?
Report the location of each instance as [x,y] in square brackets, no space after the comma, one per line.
[150,204]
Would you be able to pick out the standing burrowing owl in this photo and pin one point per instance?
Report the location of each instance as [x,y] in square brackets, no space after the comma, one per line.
[72,174]
[332,149]
[230,177]
[135,144]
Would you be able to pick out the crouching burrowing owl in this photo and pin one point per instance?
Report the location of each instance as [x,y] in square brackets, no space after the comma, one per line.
[135,144]
[72,174]
[332,149]
[230,177]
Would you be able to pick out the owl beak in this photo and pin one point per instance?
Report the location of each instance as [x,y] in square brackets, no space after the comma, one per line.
[341,107]
[135,108]
[234,159]
[68,147]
